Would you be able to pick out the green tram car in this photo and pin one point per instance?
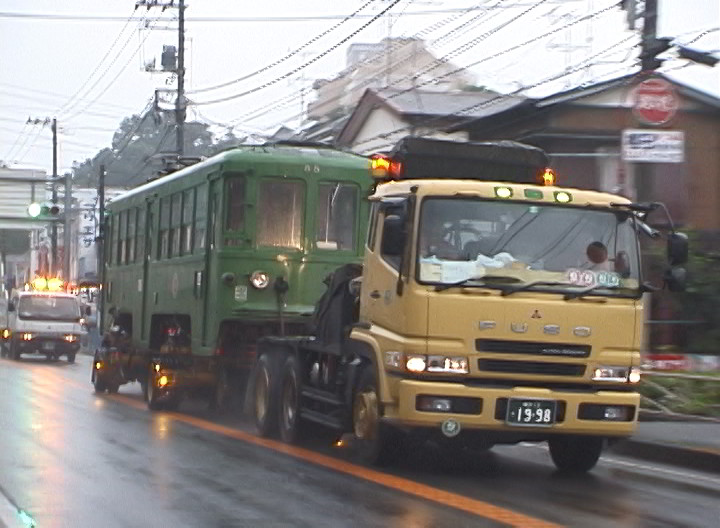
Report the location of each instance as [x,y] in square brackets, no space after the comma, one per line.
[201,263]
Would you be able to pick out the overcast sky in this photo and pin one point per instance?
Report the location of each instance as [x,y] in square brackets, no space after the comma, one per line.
[82,62]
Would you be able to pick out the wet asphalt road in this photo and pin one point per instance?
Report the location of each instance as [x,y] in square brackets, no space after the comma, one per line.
[70,458]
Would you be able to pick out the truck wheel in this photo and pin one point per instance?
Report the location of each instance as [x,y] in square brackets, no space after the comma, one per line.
[290,422]
[3,350]
[265,395]
[113,388]
[377,443]
[575,454]
[71,357]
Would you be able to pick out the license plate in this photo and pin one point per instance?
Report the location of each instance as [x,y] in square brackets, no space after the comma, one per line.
[530,412]
[48,345]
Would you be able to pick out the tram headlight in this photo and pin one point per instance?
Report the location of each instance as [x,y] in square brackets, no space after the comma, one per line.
[260,280]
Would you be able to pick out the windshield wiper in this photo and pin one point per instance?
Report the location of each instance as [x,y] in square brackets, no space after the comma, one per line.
[581,293]
[482,281]
[529,285]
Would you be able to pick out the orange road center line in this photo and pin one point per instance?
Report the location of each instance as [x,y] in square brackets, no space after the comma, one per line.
[403,485]
[423,491]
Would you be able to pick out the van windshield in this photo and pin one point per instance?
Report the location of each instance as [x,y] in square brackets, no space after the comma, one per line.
[47,307]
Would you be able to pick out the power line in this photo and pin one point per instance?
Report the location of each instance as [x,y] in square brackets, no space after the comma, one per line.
[306,64]
[69,102]
[226,19]
[501,97]
[289,55]
[112,82]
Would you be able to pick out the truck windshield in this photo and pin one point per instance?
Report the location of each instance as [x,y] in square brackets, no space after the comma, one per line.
[556,248]
[47,307]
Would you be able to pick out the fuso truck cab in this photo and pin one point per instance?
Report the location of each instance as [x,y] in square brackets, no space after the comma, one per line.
[47,323]
[494,307]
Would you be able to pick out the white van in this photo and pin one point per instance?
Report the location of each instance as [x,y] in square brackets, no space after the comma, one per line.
[51,324]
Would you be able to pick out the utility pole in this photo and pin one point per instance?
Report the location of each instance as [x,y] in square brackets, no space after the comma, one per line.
[53,229]
[180,101]
[180,106]
[100,247]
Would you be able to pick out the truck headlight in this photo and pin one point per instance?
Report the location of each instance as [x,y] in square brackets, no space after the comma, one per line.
[415,363]
[437,363]
[455,364]
[634,376]
[6,333]
[615,374]
[71,338]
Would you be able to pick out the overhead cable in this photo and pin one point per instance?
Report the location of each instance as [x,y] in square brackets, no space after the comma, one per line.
[286,57]
[304,65]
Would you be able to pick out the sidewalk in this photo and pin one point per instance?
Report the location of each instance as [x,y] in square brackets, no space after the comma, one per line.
[691,444]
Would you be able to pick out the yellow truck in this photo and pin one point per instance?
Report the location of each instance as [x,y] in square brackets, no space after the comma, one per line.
[492,307]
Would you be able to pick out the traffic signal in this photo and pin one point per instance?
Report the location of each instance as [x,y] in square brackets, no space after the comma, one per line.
[43,211]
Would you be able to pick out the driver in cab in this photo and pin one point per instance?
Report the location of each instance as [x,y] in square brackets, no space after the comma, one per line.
[434,243]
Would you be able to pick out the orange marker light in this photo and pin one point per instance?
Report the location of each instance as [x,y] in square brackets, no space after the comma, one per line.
[39,283]
[548,177]
[382,167]
[55,284]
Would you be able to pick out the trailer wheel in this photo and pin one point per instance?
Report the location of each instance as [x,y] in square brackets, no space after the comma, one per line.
[220,396]
[291,425]
[575,454]
[265,395]
[376,442]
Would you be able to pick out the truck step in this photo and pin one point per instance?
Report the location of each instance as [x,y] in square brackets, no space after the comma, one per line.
[321,418]
[321,396]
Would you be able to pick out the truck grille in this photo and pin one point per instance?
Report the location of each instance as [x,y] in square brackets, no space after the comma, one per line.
[530,367]
[532,347]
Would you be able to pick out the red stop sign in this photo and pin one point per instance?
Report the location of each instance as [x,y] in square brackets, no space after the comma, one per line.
[654,101]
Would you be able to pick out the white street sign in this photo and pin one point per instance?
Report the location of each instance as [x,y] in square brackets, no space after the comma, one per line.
[653,146]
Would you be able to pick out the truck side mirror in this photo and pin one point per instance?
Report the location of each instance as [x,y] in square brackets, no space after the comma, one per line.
[675,279]
[10,306]
[677,249]
[393,236]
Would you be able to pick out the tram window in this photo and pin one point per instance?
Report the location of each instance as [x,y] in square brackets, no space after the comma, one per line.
[132,217]
[164,228]
[113,239]
[235,214]
[140,244]
[335,216]
[175,221]
[187,220]
[200,217]
[123,238]
[280,213]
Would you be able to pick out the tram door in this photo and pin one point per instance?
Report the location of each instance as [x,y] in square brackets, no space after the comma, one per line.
[150,239]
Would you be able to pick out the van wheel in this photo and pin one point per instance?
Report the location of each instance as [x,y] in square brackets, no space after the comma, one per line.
[291,425]
[14,351]
[265,395]
[575,454]
[376,442]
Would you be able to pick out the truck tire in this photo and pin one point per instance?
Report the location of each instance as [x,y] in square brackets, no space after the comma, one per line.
[98,383]
[71,357]
[290,423]
[575,454]
[265,394]
[375,442]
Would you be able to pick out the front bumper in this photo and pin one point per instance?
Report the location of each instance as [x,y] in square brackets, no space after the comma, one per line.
[47,345]
[490,414]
